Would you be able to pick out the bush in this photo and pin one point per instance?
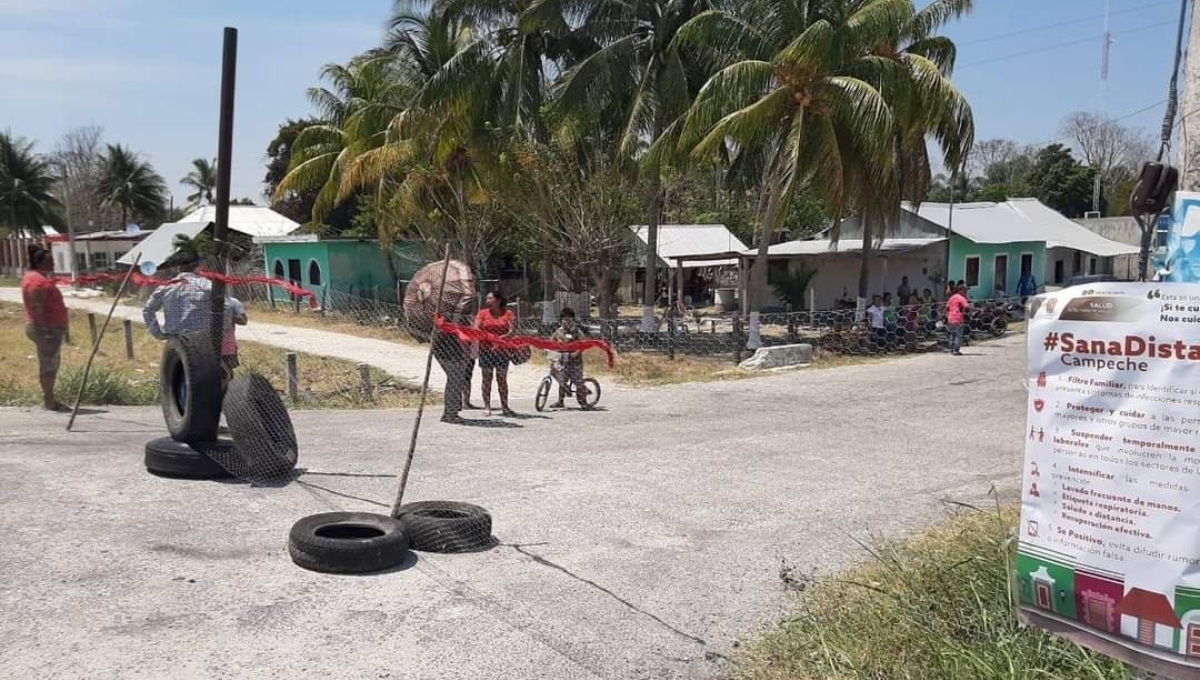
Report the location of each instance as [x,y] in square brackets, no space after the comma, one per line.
[935,608]
[106,386]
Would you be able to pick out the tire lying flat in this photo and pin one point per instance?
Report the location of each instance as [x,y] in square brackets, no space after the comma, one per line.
[167,457]
[447,526]
[348,542]
[190,387]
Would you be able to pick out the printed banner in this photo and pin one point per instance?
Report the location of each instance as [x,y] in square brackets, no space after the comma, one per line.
[1109,551]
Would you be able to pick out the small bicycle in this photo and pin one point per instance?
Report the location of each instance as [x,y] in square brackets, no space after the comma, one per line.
[588,401]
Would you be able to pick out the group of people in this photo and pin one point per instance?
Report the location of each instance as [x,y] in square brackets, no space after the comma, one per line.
[185,303]
[894,324]
[458,359]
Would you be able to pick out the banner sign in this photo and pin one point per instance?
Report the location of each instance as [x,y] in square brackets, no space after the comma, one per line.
[1109,550]
[1182,263]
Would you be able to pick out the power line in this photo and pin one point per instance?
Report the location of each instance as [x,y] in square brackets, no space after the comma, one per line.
[1069,22]
[1067,137]
[1071,43]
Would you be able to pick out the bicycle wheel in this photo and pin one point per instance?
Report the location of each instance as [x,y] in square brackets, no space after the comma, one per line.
[593,396]
[543,394]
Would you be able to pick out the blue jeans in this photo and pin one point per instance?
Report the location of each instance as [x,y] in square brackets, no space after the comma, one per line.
[956,331]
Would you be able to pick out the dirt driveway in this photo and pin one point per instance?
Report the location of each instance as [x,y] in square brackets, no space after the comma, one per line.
[641,541]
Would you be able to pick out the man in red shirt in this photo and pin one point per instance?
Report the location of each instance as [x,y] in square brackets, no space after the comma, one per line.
[956,316]
[45,320]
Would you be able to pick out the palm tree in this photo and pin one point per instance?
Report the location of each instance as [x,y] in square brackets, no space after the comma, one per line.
[821,99]
[202,178]
[641,66]
[132,183]
[27,184]
[365,96]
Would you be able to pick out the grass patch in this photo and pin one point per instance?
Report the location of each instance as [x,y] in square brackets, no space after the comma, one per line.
[934,608]
[115,380]
[642,369]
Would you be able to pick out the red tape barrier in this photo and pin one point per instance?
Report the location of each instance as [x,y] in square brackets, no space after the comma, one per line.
[468,334]
[139,280]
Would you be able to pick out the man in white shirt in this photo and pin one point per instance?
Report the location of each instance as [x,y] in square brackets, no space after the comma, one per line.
[878,329]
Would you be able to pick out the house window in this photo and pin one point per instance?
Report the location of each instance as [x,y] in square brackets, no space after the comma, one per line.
[100,260]
[314,273]
[1193,640]
[81,261]
[1077,262]
[1091,265]
[1059,273]
[1043,598]
[972,277]
[278,269]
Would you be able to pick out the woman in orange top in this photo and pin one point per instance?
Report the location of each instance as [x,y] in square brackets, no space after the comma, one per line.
[497,319]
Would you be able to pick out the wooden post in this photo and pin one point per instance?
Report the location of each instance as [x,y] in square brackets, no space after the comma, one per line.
[67,333]
[671,333]
[791,326]
[128,325]
[92,326]
[737,338]
[270,295]
[364,377]
[293,377]
[712,326]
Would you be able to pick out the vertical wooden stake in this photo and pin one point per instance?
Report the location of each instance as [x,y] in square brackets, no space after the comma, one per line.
[293,377]
[92,326]
[128,325]
[364,378]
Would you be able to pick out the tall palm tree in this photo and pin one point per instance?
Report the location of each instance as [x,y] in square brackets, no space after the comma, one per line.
[364,97]
[131,182]
[202,178]
[27,186]
[823,99]
[640,65]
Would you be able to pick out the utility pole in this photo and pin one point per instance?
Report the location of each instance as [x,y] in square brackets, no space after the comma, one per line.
[1189,158]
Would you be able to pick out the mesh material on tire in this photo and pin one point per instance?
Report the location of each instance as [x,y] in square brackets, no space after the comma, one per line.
[447,526]
[265,448]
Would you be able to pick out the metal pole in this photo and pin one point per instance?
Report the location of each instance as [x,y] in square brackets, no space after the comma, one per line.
[412,442]
[950,231]
[224,173]
[96,343]
[72,267]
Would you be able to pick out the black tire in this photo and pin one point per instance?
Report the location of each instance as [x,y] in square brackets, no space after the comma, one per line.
[167,457]
[263,436]
[543,394]
[999,327]
[348,542]
[447,527]
[593,396]
[190,388]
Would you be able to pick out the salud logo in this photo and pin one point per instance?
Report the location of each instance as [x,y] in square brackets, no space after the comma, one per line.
[1039,404]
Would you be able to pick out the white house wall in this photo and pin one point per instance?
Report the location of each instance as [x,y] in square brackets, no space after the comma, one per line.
[838,273]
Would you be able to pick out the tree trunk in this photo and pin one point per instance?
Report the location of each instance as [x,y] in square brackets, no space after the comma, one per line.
[604,291]
[759,293]
[650,289]
[864,272]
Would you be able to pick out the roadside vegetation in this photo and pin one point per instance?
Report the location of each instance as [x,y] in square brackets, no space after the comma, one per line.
[115,380]
[936,607]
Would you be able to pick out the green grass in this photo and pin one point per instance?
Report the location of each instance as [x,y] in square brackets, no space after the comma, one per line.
[933,608]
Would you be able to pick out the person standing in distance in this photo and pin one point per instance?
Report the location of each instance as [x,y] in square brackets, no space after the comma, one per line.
[45,321]
[956,316]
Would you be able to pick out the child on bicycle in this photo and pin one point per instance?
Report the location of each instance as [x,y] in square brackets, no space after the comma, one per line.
[569,367]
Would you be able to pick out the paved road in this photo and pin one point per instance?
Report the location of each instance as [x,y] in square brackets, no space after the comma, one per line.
[640,541]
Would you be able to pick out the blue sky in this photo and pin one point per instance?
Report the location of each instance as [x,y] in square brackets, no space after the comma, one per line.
[147,71]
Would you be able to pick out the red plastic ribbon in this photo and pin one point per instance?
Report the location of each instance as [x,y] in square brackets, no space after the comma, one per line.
[138,279]
[469,334]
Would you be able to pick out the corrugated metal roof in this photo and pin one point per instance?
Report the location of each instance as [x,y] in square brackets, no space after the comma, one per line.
[160,244]
[847,246]
[252,220]
[684,240]
[1019,220]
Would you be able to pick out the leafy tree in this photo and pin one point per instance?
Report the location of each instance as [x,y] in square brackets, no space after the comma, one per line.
[78,161]
[1062,182]
[131,183]
[650,76]
[1115,151]
[27,187]
[202,178]
[831,97]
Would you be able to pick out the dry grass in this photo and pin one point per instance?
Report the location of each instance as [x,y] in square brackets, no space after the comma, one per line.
[332,321]
[323,382]
[640,369]
[935,608]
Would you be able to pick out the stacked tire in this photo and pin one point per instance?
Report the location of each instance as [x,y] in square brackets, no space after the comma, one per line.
[190,396]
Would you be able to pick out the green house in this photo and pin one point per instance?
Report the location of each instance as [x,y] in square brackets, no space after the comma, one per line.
[340,270]
[989,246]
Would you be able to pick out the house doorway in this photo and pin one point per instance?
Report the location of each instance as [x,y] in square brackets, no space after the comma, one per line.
[1000,274]
[1043,596]
[1026,264]
[1097,613]
[1193,639]
[1059,273]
